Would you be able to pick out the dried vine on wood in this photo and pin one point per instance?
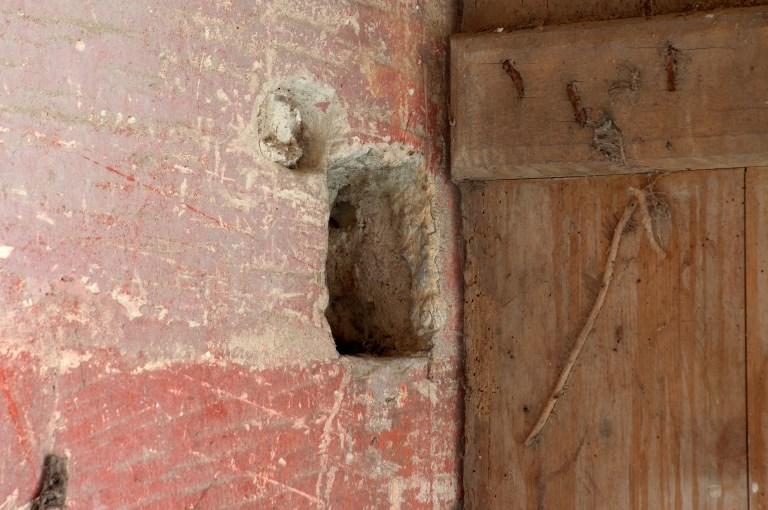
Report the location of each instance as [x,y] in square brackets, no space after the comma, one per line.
[639,201]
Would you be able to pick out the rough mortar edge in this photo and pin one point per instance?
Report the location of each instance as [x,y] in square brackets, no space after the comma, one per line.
[276,344]
[324,128]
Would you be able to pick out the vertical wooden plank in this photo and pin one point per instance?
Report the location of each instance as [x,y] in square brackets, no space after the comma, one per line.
[654,415]
[757,334]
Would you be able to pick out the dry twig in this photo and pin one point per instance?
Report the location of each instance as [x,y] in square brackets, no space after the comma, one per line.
[646,221]
[638,201]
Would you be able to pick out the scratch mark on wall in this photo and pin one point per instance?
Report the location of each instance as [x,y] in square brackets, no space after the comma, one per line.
[17,420]
[130,178]
[223,393]
[326,476]
[287,487]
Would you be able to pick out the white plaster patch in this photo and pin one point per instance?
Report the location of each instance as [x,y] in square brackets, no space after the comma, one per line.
[43,216]
[222,96]
[69,359]
[444,488]
[132,304]
[280,128]
[395,494]
[158,364]
[165,363]
[162,312]
[74,317]
[11,501]
[5,251]
[311,106]
[426,389]
[354,23]
[67,144]
[92,287]
[184,169]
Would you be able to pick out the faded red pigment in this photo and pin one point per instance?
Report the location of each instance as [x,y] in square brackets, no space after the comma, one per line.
[139,250]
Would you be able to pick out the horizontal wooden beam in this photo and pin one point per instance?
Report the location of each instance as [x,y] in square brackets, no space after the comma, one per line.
[669,93]
[480,15]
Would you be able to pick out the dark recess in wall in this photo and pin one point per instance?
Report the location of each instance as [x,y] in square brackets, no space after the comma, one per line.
[380,268]
[369,282]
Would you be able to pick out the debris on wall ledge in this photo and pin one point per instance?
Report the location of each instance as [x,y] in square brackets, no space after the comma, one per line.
[280,128]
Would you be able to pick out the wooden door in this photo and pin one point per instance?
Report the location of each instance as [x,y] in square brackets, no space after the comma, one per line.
[655,413]
[757,334]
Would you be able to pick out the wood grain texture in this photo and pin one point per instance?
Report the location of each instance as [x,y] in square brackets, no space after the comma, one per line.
[757,334]
[480,15]
[654,415]
[684,91]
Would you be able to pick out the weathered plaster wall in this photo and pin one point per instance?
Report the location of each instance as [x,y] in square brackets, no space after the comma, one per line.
[162,284]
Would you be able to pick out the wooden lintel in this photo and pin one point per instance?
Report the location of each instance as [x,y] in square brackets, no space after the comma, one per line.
[625,96]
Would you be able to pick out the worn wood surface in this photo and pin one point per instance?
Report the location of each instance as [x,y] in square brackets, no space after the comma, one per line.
[757,334]
[480,15]
[683,91]
[654,414]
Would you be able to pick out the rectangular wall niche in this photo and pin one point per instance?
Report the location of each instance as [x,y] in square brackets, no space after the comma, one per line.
[380,270]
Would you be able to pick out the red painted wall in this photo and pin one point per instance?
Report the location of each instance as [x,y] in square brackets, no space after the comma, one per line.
[162,289]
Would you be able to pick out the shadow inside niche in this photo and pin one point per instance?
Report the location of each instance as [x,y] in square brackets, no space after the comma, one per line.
[375,267]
